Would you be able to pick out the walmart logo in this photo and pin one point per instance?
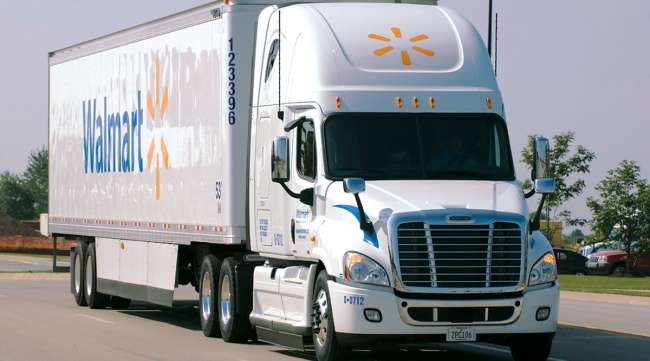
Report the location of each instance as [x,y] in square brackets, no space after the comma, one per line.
[157,109]
[113,140]
[391,45]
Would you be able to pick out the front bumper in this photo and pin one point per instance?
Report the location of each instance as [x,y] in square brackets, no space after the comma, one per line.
[349,302]
[598,267]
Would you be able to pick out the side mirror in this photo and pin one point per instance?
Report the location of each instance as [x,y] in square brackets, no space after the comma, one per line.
[280,159]
[354,185]
[541,175]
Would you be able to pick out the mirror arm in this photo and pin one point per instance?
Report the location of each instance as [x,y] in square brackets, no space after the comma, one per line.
[530,193]
[364,222]
[306,196]
[289,191]
[534,224]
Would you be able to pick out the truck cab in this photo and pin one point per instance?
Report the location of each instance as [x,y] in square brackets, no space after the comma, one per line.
[382,189]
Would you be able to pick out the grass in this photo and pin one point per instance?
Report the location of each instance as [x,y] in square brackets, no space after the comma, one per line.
[630,286]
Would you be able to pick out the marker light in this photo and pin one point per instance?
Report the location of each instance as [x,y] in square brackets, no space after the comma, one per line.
[488,102]
[416,102]
[338,102]
[432,102]
[399,102]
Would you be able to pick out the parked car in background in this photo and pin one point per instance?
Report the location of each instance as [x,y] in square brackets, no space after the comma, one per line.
[613,262]
[569,262]
[590,249]
[607,262]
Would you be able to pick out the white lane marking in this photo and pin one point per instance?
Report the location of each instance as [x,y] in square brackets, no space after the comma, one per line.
[95,318]
[497,349]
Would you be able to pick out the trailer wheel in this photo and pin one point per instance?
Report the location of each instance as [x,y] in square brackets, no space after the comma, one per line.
[119,303]
[77,276]
[208,289]
[326,345]
[234,326]
[533,347]
[94,299]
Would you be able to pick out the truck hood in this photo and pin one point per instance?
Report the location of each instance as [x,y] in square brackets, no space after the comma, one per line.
[388,197]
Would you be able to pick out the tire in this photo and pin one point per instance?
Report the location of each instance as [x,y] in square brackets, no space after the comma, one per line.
[208,311]
[94,299]
[119,303]
[618,270]
[234,326]
[534,347]
[77,274]
[326,345]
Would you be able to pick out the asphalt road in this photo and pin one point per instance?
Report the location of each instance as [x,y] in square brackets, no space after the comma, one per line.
[21,263]
[40,321]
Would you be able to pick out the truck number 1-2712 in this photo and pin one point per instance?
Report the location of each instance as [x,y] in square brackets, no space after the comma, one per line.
[231,83]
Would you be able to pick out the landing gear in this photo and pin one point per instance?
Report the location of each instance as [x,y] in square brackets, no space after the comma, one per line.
[326,345]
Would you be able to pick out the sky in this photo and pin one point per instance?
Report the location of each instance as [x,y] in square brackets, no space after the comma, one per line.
[579,65]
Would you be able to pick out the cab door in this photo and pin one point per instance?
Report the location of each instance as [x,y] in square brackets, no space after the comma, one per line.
[304,175]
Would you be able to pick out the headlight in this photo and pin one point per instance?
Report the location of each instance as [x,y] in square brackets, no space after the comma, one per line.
[602,259]
[544,271]
[360,268]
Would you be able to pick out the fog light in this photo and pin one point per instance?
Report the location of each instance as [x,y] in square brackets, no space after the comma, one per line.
[543,313]
[372,315]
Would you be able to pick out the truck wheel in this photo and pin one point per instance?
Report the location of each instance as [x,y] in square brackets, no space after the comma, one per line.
[531,347]
[94,299]
[77,279]
[119,303]
[207,295]
[234,326]
[326,345]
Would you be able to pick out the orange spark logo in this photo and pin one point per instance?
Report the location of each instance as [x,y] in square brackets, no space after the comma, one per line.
[157,113]
[406,58]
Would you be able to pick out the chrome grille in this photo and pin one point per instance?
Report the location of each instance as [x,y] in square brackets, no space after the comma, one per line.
[459,256]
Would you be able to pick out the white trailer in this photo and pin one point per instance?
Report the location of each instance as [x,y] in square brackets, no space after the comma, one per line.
[336,174]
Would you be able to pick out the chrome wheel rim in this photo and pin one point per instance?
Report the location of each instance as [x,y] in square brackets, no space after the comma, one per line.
[322,309]
[89,276]
[224,302]
[206,296]
[77,273]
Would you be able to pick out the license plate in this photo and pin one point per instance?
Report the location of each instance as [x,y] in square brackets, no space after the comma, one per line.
[461,334]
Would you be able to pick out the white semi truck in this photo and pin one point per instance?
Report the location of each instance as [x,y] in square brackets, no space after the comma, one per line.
[336,174]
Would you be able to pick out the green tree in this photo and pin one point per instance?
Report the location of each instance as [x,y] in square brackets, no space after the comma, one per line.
[623,209]
[15,199]
[35,179]
[564,162]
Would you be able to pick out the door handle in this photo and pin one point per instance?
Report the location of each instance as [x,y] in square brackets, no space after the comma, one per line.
[293,231]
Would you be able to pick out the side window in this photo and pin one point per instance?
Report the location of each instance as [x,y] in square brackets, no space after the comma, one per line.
[306,152]
[273,54]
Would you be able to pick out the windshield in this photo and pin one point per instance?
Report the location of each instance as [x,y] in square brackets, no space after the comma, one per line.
[417,146]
